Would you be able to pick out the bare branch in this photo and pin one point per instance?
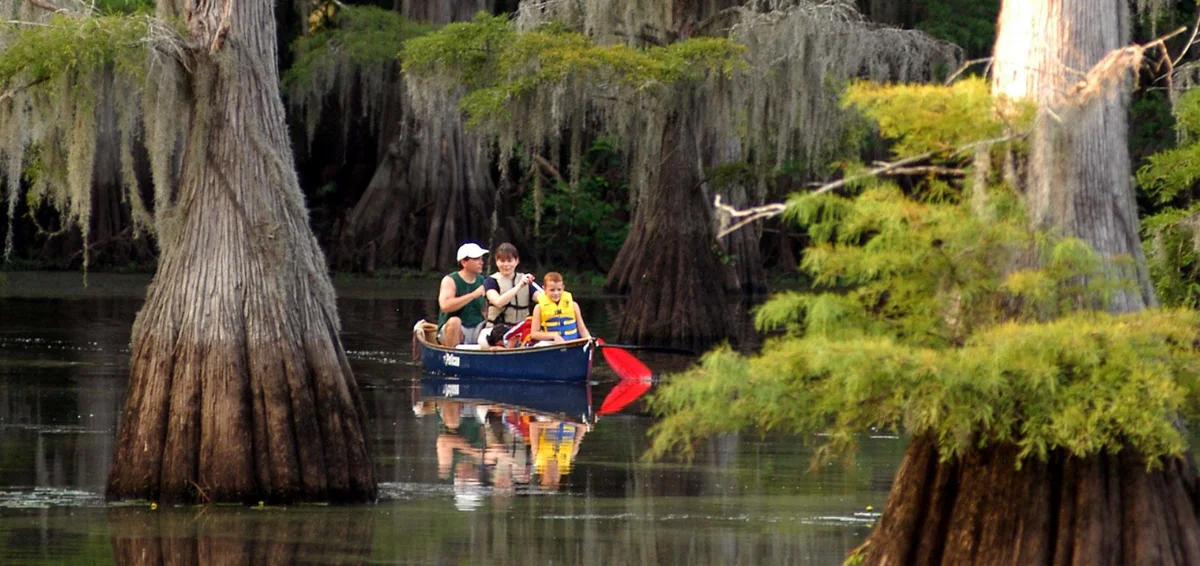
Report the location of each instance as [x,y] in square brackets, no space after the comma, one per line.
[44,5]
[727,214]
[966,65]
[730,219]
[7,94]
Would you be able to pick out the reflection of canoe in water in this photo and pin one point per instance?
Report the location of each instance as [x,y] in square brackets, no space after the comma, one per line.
[569,361]
[566,401]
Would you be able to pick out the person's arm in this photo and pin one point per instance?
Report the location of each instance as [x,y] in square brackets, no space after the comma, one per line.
[448,302]
[583,331]
[500,300]
[535,328]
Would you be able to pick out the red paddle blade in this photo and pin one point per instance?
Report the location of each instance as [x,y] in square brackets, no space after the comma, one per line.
[624,364]
[519,331]
[625,392]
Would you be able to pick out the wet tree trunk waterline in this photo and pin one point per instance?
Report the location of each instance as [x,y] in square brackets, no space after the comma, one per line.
[240,390]
[981,509]
[1100,510]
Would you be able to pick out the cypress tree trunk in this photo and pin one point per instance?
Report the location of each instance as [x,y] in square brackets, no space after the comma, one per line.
[1100,510]
[669,263]
[433,187]
[1078,176]
[240,389]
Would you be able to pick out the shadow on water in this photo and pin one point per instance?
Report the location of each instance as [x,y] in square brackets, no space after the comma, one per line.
[467,474]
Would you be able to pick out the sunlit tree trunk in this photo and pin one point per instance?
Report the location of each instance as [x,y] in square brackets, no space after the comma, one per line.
[1078,176]
[1104,509]
[240,389]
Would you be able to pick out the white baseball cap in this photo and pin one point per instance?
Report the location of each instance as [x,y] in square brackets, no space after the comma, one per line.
[470,250]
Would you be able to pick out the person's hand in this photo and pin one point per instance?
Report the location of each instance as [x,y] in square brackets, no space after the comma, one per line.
[527,279]
[559,338]
[480,291]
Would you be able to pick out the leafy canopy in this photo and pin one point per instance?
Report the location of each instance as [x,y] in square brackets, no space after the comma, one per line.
[937,310]
[362,36]
[1172,234]
[496,65]
[71,44]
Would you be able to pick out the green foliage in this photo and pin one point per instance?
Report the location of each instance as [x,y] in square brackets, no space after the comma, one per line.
[1168,178]
[497,65]
[115,7]
[945,315]
[71,45]
[928,118]
[1088,382]
[583,225]
[365,36]
[968,23]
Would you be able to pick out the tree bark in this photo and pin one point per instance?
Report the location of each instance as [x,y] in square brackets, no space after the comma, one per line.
[240,389]
[1103,509]
[669,266]
[1077,178]
[433,187]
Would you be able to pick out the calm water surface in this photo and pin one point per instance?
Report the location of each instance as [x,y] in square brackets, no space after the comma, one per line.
[464,479]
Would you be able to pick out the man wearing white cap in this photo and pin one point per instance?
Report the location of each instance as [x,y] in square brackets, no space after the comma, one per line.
[461,299]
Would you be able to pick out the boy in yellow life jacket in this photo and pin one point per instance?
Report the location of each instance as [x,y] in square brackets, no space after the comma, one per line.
[556,315]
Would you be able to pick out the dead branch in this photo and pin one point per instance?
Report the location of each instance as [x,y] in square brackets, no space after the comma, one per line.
[730,219]
[7,94]
[549,168]
[44,5]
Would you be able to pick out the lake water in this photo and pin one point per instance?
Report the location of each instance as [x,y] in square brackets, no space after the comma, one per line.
[462,481]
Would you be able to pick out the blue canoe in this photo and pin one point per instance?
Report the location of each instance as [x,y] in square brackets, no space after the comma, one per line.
[566,401]
[566,362]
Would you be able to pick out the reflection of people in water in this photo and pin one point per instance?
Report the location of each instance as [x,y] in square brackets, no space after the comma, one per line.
[555,444]
[480,445]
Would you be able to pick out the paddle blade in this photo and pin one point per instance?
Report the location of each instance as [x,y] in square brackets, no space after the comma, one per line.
[519,332]
[625,392]
[623,363]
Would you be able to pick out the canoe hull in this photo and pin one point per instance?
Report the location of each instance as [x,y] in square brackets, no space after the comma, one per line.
[569,362]
[564,400]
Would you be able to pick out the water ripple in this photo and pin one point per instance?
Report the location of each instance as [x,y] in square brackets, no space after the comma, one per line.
[46,497]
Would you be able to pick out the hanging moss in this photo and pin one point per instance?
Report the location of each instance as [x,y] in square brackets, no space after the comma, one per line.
[50,72]
[355,52]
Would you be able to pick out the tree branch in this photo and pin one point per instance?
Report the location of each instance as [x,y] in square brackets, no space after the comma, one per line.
[730,219]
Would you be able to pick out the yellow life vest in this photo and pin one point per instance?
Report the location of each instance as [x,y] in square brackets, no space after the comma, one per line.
[559,317]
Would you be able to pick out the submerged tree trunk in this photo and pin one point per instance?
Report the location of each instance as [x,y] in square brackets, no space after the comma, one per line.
[980,509]
[669,264]
[1100,510]
[240,390]
[433,187]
